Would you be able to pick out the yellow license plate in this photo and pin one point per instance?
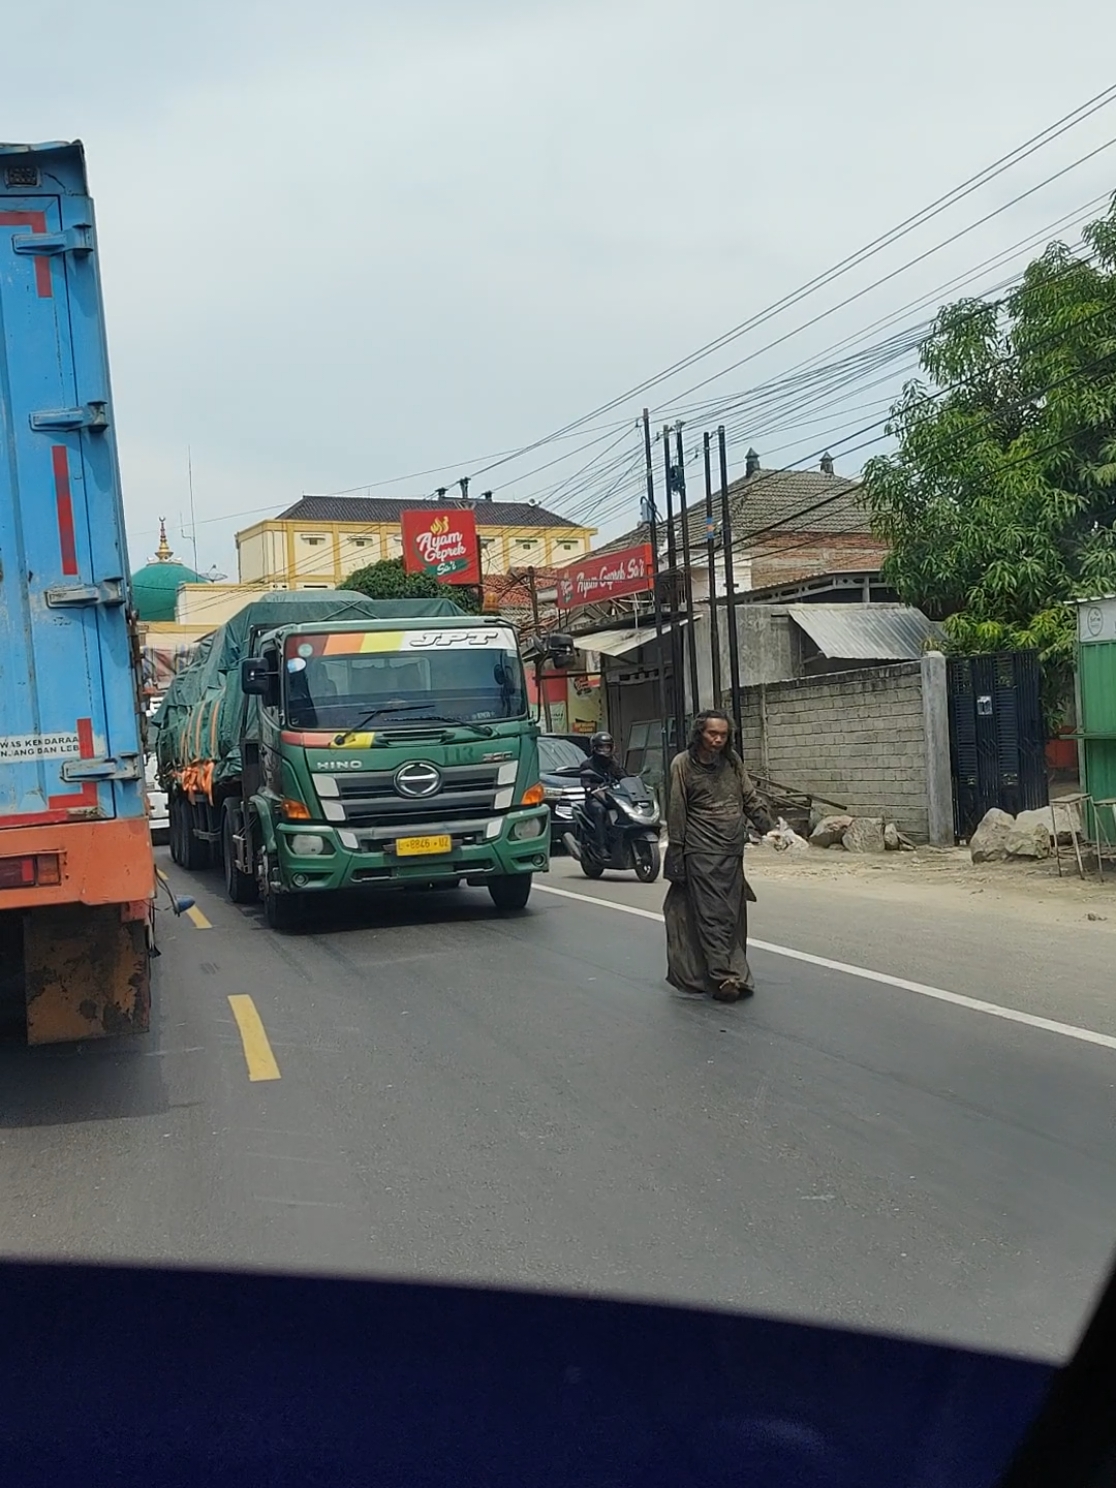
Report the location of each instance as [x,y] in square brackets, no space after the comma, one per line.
[418,847]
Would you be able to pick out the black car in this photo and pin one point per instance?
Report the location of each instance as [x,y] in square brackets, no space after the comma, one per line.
[559,752]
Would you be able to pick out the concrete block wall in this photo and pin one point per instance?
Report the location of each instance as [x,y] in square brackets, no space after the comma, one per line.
[876,740]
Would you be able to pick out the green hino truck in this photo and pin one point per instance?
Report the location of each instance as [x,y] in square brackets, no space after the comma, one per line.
[325,741]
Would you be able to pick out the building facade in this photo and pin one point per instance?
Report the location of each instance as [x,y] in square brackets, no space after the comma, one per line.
[316,542]
[787,525]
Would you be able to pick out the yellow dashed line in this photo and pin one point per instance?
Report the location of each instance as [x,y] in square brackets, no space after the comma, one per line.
[257,1050]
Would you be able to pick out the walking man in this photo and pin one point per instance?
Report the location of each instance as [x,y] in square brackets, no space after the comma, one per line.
[712,799]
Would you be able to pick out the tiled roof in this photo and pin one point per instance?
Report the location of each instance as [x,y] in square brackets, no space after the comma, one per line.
[786,501]
[373,509]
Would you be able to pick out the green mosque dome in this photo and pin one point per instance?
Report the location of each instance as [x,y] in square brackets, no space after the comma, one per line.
[155,585]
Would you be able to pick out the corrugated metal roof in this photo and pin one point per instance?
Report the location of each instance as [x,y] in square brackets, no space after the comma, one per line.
[851,632]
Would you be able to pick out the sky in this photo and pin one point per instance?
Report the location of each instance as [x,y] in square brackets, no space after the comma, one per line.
[342,245]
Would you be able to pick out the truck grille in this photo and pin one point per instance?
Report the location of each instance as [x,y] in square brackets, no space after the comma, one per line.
[371,799]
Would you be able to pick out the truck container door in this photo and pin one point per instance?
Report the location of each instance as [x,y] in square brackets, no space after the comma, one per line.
[69,745]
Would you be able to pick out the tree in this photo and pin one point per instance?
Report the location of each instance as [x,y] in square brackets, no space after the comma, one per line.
[999,505]
[389,580]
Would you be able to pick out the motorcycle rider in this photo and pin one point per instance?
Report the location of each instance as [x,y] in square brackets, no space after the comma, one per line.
[600,768]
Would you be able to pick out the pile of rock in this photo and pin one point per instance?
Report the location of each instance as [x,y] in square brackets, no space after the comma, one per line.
[860,834]
[1001,836]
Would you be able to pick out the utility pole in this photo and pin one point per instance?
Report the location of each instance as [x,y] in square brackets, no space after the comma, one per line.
[657,594]
[687,576]
[711,560]
[540,687]
[730,590]
[677,704]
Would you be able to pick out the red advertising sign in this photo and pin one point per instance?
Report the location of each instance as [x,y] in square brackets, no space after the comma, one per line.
[442,544]
[605,577]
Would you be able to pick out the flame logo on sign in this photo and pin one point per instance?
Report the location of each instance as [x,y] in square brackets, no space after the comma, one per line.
[440,525]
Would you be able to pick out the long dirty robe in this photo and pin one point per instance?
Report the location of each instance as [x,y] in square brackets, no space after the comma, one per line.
[706,913]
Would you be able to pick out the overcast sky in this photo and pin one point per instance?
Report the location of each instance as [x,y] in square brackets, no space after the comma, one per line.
[344,242]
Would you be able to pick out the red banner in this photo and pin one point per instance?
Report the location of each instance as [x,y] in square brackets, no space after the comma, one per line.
[442,544]
[605,577]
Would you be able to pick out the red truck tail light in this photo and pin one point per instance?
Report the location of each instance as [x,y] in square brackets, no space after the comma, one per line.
[25,873]
[17,873]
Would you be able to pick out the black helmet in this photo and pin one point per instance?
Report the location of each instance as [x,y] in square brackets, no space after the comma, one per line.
[601,743]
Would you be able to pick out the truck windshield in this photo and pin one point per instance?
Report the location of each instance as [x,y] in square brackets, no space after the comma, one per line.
[343,680]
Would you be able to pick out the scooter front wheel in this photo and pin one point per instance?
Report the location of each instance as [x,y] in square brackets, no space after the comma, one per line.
[589,866]
[647,860]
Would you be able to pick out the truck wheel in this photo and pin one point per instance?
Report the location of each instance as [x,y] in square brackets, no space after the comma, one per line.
[283,911]
[241,887]
[175,831]
[195,853]
[511,891]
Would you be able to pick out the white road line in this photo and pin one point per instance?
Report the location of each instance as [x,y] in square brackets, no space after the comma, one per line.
[938,994]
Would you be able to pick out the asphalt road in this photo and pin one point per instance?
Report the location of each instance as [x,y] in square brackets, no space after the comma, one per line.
[442,1092]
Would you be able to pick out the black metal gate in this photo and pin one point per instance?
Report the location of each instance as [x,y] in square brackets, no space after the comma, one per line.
[996,736]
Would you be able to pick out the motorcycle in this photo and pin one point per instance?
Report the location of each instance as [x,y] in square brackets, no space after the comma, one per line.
[631,832]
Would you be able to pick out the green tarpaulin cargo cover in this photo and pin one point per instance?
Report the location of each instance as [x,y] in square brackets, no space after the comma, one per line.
[203,716]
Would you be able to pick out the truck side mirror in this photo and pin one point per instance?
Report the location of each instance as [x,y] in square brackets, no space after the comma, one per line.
[560,649]
[257,679]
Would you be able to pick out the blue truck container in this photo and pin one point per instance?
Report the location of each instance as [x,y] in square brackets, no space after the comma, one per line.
[77,876]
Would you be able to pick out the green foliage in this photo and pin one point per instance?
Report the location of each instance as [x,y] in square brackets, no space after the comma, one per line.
[389,580]
[1000,503]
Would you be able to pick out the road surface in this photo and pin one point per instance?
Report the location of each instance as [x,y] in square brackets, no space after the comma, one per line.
[421,1087]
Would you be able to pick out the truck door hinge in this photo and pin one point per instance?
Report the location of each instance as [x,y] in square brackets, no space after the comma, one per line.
[92,415]
[127,767]
[77,239]
[110,593]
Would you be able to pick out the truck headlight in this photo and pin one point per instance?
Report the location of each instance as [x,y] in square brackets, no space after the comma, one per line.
[306,845]
[525,830]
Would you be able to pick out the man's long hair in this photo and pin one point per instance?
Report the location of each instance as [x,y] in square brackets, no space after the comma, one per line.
[698,729]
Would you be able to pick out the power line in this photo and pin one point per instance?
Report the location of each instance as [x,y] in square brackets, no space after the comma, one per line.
[901,230]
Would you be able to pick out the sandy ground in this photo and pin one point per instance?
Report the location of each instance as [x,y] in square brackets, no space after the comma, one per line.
[947,878]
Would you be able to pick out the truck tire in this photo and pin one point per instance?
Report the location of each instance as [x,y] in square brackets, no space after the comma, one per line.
[195,853]
[283,912]
[241,887]
[511,891]
[174,811]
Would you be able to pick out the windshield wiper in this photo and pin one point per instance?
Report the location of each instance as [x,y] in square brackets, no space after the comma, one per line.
[389,708]
[367,718]
[481,728]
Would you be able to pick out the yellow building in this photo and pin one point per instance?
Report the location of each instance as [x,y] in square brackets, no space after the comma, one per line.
[316,542]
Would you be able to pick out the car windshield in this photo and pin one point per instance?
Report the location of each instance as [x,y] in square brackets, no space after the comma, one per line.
[351,679]
[558,754]
[429,431]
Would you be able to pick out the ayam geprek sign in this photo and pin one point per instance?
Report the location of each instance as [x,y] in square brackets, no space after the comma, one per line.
[607,577]
[443,545]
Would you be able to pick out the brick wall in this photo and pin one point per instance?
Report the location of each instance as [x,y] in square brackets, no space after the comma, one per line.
[857,737]
[802,555]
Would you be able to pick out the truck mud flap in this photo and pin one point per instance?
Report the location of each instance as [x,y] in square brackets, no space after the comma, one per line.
[87,973]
